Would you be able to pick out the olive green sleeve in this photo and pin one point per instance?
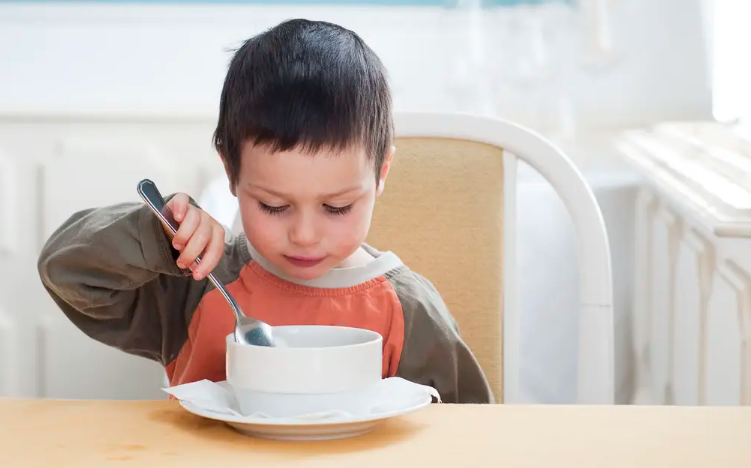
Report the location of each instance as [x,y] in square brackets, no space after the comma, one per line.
[433,352]
[112,272]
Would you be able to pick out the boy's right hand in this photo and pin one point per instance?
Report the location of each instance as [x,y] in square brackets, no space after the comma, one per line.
[198,234]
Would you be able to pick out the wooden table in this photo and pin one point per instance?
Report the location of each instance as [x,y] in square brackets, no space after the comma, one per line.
[82,434]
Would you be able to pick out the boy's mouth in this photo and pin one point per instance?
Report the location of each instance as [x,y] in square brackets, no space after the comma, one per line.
[304,262]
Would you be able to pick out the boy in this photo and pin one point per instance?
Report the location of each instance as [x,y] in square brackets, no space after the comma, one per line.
[305,135]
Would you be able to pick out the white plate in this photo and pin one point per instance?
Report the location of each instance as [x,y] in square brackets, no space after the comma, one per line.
[339,427]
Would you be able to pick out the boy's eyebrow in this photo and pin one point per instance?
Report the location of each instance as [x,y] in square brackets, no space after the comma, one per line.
[326,195]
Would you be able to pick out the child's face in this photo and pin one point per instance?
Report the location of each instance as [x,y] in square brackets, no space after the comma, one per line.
[307,213]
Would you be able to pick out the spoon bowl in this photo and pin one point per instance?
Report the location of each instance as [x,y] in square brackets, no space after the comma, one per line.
[248,330]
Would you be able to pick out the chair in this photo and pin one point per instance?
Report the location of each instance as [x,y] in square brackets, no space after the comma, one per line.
[448,210]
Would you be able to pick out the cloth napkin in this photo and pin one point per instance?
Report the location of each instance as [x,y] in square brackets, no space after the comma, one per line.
[394,393]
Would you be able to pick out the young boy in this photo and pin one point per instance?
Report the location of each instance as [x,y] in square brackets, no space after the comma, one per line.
[305,135]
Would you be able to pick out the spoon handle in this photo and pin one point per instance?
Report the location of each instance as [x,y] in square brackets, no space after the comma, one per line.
[150,194]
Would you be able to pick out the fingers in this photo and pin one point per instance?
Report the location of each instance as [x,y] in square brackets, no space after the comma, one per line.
[212,254]
[187,229]
[200,235]
[207,241]
[179,205]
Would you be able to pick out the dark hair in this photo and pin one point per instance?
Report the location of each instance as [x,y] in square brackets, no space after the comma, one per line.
[307,85]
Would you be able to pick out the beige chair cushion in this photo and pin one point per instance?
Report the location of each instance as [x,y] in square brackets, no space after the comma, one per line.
[442,214]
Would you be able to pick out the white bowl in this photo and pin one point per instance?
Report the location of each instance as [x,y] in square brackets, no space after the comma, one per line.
[320,368]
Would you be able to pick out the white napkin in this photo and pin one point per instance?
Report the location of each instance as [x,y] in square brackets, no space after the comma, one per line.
[394,393]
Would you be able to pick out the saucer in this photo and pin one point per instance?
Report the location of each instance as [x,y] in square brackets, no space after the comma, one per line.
[334,426]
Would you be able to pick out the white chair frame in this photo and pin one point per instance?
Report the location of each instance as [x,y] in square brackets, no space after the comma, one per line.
[595,379]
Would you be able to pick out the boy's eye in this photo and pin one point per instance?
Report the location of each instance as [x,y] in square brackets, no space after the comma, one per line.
[338,210]
[274,210]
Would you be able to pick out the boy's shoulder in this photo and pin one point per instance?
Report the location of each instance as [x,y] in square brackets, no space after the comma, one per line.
[409,280]
[419,298]
[433,352]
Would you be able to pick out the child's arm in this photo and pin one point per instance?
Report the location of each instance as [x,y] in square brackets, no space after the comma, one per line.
[434,353]
[113,272]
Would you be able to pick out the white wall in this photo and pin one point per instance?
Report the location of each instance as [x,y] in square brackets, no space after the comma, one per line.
[170,59]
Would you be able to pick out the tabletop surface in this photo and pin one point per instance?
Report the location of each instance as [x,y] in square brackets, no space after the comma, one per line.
[81,434]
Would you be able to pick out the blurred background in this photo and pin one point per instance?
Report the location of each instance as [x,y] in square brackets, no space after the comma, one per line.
[95,95]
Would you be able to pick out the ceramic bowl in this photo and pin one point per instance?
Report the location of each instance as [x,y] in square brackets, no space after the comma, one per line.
[319,369]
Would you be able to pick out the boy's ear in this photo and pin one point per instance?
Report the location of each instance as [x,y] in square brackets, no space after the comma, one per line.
[229,176]
[385,169]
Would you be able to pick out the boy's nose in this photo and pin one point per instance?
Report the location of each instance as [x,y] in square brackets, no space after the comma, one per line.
[304,232]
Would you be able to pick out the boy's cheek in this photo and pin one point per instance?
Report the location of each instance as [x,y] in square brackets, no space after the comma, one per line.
[351,235]
[261,233]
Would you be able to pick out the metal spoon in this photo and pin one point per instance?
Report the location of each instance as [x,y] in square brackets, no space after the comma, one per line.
[247,330]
